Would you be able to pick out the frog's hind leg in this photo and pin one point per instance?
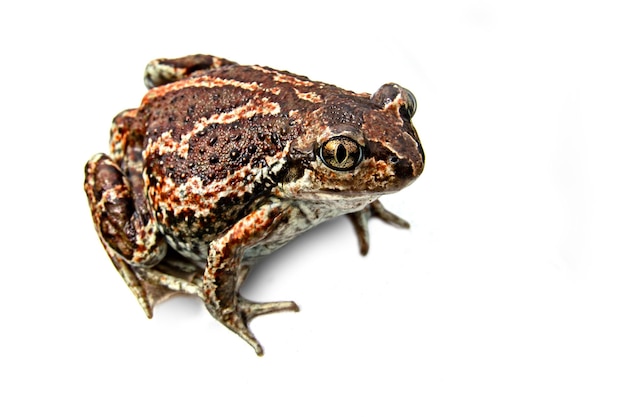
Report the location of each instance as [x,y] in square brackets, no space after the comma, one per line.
[164,71]
[145,297]
[173,275]
[154,285]
[130,240]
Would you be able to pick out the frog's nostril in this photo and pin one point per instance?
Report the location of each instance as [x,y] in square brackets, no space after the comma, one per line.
[403,168]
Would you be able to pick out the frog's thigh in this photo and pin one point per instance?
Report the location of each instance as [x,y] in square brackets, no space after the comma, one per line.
[117,221]
[131,245]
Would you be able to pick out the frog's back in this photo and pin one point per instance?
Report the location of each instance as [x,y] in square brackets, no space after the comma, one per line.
[216,144]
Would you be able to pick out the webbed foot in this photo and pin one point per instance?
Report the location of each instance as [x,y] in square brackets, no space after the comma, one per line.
[238,318]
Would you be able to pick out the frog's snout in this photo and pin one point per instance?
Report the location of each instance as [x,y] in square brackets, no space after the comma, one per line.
[411,165]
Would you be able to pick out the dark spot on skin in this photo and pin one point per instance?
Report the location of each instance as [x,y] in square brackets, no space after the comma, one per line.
[275,138]
[234,154]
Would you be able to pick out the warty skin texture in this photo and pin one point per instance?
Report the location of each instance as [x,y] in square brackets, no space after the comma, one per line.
[224,163]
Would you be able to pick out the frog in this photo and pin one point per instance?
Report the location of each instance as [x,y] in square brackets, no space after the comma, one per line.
[222,164]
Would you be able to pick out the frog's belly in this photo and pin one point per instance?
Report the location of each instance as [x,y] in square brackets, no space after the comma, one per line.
[298,217]
[301,217]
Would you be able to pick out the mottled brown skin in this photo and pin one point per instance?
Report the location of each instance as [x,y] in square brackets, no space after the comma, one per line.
[223,163]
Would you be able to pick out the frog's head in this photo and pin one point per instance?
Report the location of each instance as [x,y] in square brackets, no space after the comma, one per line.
[358,146]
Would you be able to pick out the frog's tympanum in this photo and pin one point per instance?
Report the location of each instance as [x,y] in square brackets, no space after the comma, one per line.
[222,164]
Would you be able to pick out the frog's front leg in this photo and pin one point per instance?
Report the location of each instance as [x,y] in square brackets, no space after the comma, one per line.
[225,273]
[131,240]
[375,209]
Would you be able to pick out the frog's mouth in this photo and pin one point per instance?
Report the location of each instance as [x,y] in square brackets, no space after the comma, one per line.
[335,195]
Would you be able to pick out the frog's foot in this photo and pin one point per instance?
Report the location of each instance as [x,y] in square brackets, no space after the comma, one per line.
[238,318]
[140,290]
[375,209]
[164,71]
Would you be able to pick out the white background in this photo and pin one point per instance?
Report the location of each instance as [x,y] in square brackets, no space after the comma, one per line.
[505,298]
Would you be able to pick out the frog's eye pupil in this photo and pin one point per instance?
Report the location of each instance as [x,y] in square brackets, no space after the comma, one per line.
[341,153]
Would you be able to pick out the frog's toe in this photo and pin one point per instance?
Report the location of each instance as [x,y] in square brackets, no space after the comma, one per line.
[238,319]
[238,324]
[375,209]
[251,309]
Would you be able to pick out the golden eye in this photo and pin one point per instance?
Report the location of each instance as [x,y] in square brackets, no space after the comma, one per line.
[341,153]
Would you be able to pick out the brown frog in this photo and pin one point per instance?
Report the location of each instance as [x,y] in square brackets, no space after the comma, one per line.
[224,163]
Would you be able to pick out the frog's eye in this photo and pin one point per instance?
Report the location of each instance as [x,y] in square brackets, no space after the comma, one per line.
[410,103]
[389,94]
[341,153]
